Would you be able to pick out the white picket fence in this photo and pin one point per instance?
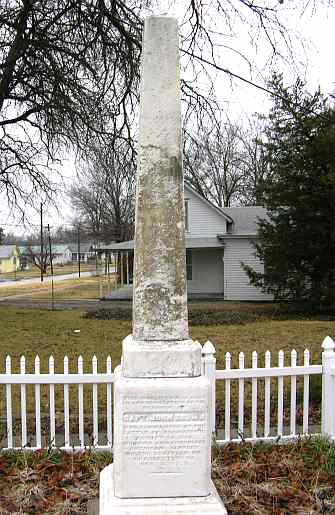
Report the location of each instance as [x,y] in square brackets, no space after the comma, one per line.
[87,410]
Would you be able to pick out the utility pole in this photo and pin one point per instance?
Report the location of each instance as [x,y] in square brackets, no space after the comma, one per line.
[41,241]
[78,249]
[52,271]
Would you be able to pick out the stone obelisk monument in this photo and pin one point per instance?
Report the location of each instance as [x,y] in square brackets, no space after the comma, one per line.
[161,402]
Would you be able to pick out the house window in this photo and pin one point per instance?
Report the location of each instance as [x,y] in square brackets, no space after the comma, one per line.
[186,215]
[189,265]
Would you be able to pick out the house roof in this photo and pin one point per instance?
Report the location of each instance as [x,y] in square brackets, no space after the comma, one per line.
[190,243]
[242,222]
[84,247]
[6,251]
[245,219]
[209,203]
[36,249]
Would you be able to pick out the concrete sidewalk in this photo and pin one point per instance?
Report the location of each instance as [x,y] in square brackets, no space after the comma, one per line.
[34,280]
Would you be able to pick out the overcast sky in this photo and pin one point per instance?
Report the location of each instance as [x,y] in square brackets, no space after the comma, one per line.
[313,40]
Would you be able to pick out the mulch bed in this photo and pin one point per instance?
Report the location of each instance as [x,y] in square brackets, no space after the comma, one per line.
[278,479]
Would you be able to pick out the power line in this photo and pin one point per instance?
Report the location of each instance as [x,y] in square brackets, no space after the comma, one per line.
[28,226]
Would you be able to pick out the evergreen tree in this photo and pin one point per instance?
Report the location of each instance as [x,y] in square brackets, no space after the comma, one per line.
[297,240]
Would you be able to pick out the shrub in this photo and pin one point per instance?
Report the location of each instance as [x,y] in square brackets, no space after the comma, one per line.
[221,315]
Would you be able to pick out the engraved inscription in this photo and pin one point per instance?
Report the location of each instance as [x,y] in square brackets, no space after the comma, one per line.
[168,435]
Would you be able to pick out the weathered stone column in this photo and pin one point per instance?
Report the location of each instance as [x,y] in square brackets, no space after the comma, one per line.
[162,425]
[160,302]
[160,345]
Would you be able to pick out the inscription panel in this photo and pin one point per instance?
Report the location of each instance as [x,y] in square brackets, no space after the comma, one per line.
[168,434]
[161,437]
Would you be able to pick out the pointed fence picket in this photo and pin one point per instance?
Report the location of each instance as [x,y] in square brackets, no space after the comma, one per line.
[66,406]
[109,404]
[52,403]
[81,404]
[95,403]
[293,404]
[38,405]
[23,389]
[9,405]
[267,396]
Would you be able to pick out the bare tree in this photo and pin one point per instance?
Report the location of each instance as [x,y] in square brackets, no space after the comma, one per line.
[38,259]
[255,163]
[214,163]
[69,69]
[104,194]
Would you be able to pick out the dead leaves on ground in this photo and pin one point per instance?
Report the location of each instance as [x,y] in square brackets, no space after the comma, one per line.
[49,481]
[279,479]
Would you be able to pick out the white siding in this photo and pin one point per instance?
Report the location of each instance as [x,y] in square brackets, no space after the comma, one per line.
[207,272]
[204,220]
[237,285]
[62,259]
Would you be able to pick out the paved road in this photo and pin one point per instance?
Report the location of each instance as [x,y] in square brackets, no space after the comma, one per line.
[82,304]
[34,280]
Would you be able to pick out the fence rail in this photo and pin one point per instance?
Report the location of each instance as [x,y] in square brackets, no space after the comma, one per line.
[264,399]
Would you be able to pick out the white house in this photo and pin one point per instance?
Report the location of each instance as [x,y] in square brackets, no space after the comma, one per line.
[84,251]
[217,241]
[61,254]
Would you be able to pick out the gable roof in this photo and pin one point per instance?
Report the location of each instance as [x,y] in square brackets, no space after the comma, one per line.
[6,251]
[190,243]
[210,204]
[245,219]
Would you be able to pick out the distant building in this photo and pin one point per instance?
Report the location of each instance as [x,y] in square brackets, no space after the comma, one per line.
[86,252]
[9,258]
[61,254]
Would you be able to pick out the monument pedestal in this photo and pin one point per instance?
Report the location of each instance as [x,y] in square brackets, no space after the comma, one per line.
[111,505]
[162,436]
[162,445]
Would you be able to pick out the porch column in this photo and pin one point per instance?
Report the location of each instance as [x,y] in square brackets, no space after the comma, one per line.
[127,260]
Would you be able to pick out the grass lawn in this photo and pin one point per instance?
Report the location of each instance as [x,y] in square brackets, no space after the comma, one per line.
[267,479]
[46,332]
[52,332]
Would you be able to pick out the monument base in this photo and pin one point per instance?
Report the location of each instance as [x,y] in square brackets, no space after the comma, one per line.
[111,505]
[176,358]
[162,438]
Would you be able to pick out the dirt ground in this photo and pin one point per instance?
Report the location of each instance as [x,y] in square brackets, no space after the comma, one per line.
[277,479]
